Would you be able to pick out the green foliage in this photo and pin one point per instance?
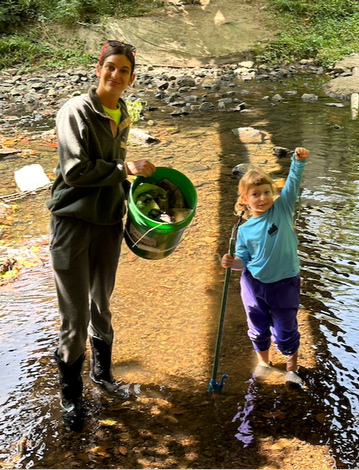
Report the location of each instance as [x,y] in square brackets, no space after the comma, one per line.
[21,49]
[38,46]
[309,29]
[134,109]
[14,12]
[318,8]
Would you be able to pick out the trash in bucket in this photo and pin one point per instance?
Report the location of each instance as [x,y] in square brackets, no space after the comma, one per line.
[157,239]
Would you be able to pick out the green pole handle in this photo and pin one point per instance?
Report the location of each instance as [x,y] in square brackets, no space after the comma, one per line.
[227,276]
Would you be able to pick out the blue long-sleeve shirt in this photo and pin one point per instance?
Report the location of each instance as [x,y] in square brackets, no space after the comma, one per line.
[267,244]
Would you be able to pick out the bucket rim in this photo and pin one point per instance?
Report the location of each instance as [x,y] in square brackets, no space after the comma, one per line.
[155,223]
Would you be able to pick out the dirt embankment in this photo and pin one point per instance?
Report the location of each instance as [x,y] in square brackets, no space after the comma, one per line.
[189,35]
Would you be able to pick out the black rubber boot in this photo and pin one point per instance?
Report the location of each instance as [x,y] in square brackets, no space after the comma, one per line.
[101,366]
[71,391]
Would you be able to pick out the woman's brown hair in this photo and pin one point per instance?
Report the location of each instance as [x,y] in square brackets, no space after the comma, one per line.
[118,48]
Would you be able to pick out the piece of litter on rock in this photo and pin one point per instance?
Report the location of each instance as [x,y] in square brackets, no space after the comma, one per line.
[140,137]
[31,177]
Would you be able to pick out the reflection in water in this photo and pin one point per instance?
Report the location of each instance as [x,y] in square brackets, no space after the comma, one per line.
[333,268]
[28,335]
[245,431]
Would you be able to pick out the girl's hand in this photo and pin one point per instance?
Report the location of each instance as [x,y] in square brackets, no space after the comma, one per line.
[300,153]
[140,168]
[227,261]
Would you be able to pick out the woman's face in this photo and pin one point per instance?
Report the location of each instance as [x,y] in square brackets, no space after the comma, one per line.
[114,74]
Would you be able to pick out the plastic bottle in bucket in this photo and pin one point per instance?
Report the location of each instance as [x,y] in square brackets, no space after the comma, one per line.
[151,239]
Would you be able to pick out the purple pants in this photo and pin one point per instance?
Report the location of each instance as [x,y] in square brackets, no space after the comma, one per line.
[272,311]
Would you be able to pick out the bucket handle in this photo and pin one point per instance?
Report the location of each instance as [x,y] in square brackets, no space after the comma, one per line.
[143,236]
[150,248]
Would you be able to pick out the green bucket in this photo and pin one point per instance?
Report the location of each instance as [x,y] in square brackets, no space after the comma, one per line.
[148,238]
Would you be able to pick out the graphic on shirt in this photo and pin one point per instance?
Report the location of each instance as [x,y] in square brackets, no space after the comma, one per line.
[272,230]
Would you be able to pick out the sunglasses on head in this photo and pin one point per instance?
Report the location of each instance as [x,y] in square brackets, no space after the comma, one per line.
[129,47]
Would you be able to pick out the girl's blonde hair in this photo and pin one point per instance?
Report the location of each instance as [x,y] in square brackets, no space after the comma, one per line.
[253,177]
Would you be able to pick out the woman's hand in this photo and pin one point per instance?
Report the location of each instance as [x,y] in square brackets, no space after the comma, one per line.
[300,153]
[140,168]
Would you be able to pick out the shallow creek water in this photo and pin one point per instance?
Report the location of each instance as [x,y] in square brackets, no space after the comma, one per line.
[166,311]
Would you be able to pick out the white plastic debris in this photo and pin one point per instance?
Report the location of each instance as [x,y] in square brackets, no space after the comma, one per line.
[139,137]
[31,177]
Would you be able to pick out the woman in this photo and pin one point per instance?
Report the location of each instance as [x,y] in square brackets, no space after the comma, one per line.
[87,206]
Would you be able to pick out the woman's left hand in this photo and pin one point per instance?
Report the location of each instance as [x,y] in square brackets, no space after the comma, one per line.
[140,168]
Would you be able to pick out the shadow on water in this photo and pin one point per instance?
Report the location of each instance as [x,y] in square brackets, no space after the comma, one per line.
[166,314]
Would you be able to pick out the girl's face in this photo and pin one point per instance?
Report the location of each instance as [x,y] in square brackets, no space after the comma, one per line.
[259,199]
[114,74]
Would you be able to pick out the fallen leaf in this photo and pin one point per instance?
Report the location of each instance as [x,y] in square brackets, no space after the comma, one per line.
[28,264]
[171,419]
[176,411]
[10,142]
[123,450]
[99,450]
[274,414]
[107,422]
[28,153]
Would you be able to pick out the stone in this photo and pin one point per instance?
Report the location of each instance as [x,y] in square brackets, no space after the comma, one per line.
[342,87]
[277,98]
[248,135]
[309,97]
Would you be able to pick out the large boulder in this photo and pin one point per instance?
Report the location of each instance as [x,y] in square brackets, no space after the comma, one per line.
[345,85]
[342,87]
[346,64]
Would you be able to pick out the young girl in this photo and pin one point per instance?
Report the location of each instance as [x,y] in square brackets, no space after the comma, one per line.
[87,207]
[266,250]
